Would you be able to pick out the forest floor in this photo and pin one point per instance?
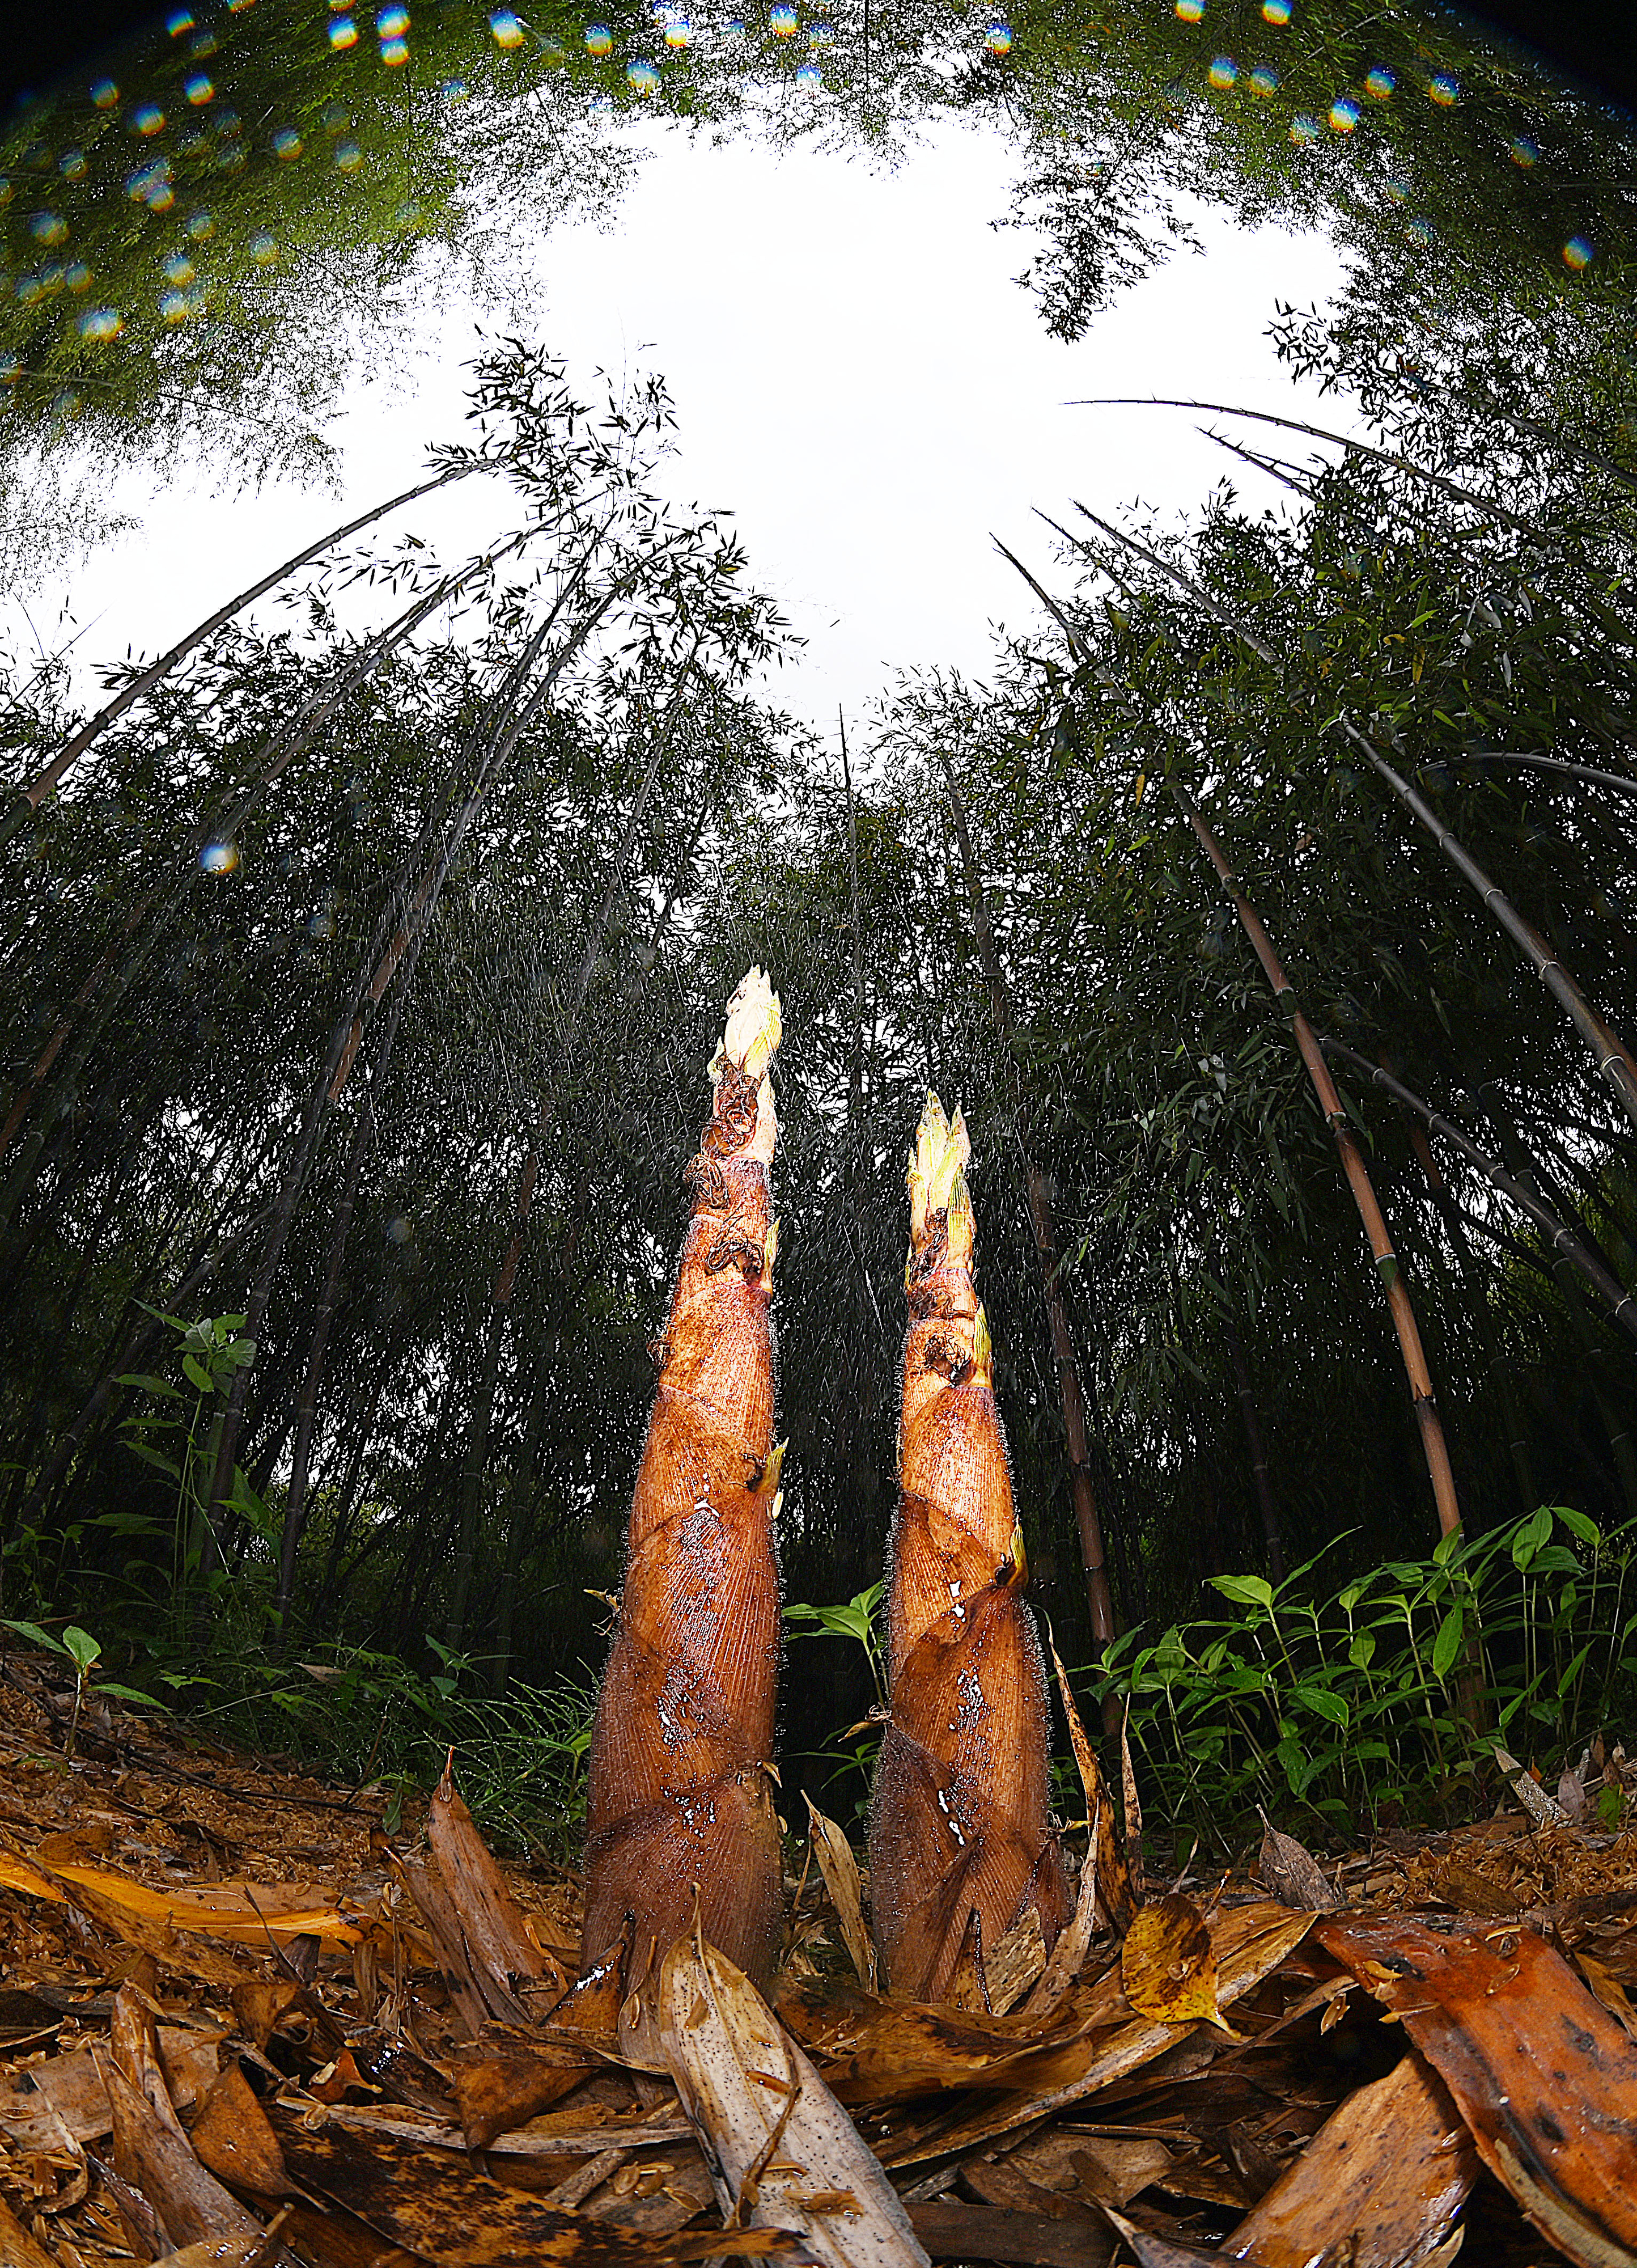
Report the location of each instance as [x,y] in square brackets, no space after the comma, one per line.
[240,2024]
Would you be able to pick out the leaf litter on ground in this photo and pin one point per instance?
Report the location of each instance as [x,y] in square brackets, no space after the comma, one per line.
[240,2025]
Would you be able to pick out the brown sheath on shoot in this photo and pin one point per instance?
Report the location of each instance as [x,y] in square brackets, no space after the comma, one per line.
[680,1792]
[961,1843]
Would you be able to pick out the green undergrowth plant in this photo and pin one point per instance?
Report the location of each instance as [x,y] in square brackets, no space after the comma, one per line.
[1382,1702]
[848,1758]
[363,1719]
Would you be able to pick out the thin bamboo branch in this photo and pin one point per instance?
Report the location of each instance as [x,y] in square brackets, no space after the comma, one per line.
[30,797]
[1562,1239]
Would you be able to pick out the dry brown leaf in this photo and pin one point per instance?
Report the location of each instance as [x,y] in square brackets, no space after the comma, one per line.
[241,1913]
[780,2144]
[1034,2240]
[1609,1989]
[839,1870]
[1250,1942]
[233,2137]
[151,2152]
[1168,1966]
[17,2248]
[1544,2076]
[1112,1902]
[502,1956]
[1379,2185]
[1017,1963]
[1291,1872]
[502,2084]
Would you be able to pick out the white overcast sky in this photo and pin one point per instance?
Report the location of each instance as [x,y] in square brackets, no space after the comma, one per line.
[857,377]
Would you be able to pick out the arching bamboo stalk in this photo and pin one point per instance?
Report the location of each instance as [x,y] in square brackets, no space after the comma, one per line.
[1614,1061]
[1452,489]
[1433,1443]
[681,1814]
[1607,1051]
[961,1844]
[29,798]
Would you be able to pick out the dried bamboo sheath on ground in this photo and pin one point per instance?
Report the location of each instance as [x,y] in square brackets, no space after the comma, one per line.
[680,1792]
[961,1824]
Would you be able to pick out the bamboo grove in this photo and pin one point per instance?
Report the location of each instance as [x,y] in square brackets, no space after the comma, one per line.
[358,983]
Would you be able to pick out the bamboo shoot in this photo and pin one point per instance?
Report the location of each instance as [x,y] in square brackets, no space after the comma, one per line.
[961,1844]
[680,1796]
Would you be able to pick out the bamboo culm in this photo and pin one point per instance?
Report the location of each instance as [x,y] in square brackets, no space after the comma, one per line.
[1433,1443]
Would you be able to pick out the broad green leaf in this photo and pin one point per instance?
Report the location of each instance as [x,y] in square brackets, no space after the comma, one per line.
[83,1650]
[1247,1590]
[1447,1644]
[35,1635]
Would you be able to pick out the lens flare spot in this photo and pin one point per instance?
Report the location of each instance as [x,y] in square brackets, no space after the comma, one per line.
[179,22]
[343,32]
[287,142]
[1303,128]
[1264,80]
[391,22]
[676,34]
[178,268]
[734,28]
[1276,12]
[642,78]
[599,40]
[100,323]
[998,39]
[1444,90]
[105,94]
[148,120]
[201,226]
[349,156]
[77,276]
[49,228]
[1525,152]
[782,20]
[809,75]
[1224,72]
[1379,84]
[1419,230]
[1398,188]
[263,250]
[219,858]
[198,89]
[173,306]
[505,29]
[11,369]
[71,164]
[1577,254]
[1190,11]
[394,52]
[1344,115]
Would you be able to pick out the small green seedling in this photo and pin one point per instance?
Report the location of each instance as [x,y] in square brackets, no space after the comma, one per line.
[85,1652]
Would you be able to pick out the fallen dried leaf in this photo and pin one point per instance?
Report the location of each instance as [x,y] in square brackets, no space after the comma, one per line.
[776,2138]
[839,1870]
[1168,1966]
[1292,1873]
[1544,2076]
[1379,2186]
